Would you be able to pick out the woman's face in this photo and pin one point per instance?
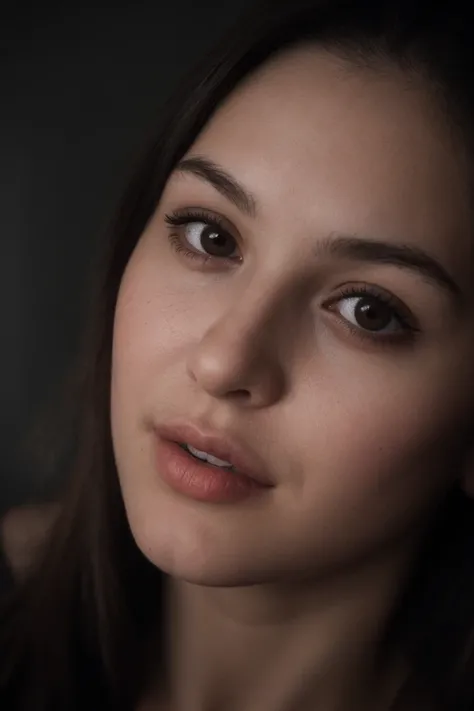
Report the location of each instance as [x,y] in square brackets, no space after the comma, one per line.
[324,323]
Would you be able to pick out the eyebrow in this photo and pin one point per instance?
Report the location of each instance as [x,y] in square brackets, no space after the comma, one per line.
[399,255]
[343,246]
[222,181]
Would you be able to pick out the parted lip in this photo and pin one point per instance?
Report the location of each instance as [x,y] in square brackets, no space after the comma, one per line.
[218,445]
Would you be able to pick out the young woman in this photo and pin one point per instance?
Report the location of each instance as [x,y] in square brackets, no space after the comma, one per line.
[275,456]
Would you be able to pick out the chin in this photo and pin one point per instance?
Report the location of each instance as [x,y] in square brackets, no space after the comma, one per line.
[191,554]
[199,567]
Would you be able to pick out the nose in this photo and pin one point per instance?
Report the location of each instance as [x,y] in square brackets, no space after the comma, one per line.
[240,356]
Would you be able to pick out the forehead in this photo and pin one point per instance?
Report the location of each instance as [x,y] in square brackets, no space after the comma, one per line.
[348,149]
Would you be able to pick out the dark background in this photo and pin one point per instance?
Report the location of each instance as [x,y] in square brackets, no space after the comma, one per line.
[81,87]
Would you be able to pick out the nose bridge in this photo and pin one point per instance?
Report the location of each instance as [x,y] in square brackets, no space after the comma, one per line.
[256,320]
[242,350]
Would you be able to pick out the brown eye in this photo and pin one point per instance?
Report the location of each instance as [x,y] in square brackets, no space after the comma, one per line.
[369,313]
[210,240]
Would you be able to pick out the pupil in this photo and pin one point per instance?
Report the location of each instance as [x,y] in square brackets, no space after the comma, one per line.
[372,315]
[216,243]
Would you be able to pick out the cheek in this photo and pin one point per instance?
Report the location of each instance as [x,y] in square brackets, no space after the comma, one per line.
[145,344]
[138,337]
[379,447]
[155,325]
[149,327]
[369,469]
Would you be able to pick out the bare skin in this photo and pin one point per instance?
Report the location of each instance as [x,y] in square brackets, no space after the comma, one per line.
[278,605]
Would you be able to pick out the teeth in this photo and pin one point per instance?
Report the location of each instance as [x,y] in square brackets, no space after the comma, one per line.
[197,453]
[218,462]
[204,456]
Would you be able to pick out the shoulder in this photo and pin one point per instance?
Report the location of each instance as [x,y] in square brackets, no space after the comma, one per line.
[22,530]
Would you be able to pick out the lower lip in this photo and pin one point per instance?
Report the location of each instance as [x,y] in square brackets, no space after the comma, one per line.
[200,481]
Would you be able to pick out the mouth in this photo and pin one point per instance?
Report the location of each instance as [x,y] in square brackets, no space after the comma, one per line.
[208,458]
[216,450]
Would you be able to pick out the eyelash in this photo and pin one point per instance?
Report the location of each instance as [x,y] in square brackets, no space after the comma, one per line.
[186,217]
[409,327]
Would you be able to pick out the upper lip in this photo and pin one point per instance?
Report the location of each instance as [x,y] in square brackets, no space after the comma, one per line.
[218,445]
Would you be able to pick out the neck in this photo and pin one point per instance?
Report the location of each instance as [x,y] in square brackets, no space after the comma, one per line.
[274,648]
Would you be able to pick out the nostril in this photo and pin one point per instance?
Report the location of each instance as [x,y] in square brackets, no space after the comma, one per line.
[241,394]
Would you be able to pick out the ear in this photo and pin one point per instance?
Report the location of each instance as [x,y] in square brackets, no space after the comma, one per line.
[467,477]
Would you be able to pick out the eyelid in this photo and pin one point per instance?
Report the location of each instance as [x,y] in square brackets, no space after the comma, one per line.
[182,217]
[402,339]
[409,324]
[185,215]
[361,289]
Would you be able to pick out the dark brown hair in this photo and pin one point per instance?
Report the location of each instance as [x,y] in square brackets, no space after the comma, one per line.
[76,634]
